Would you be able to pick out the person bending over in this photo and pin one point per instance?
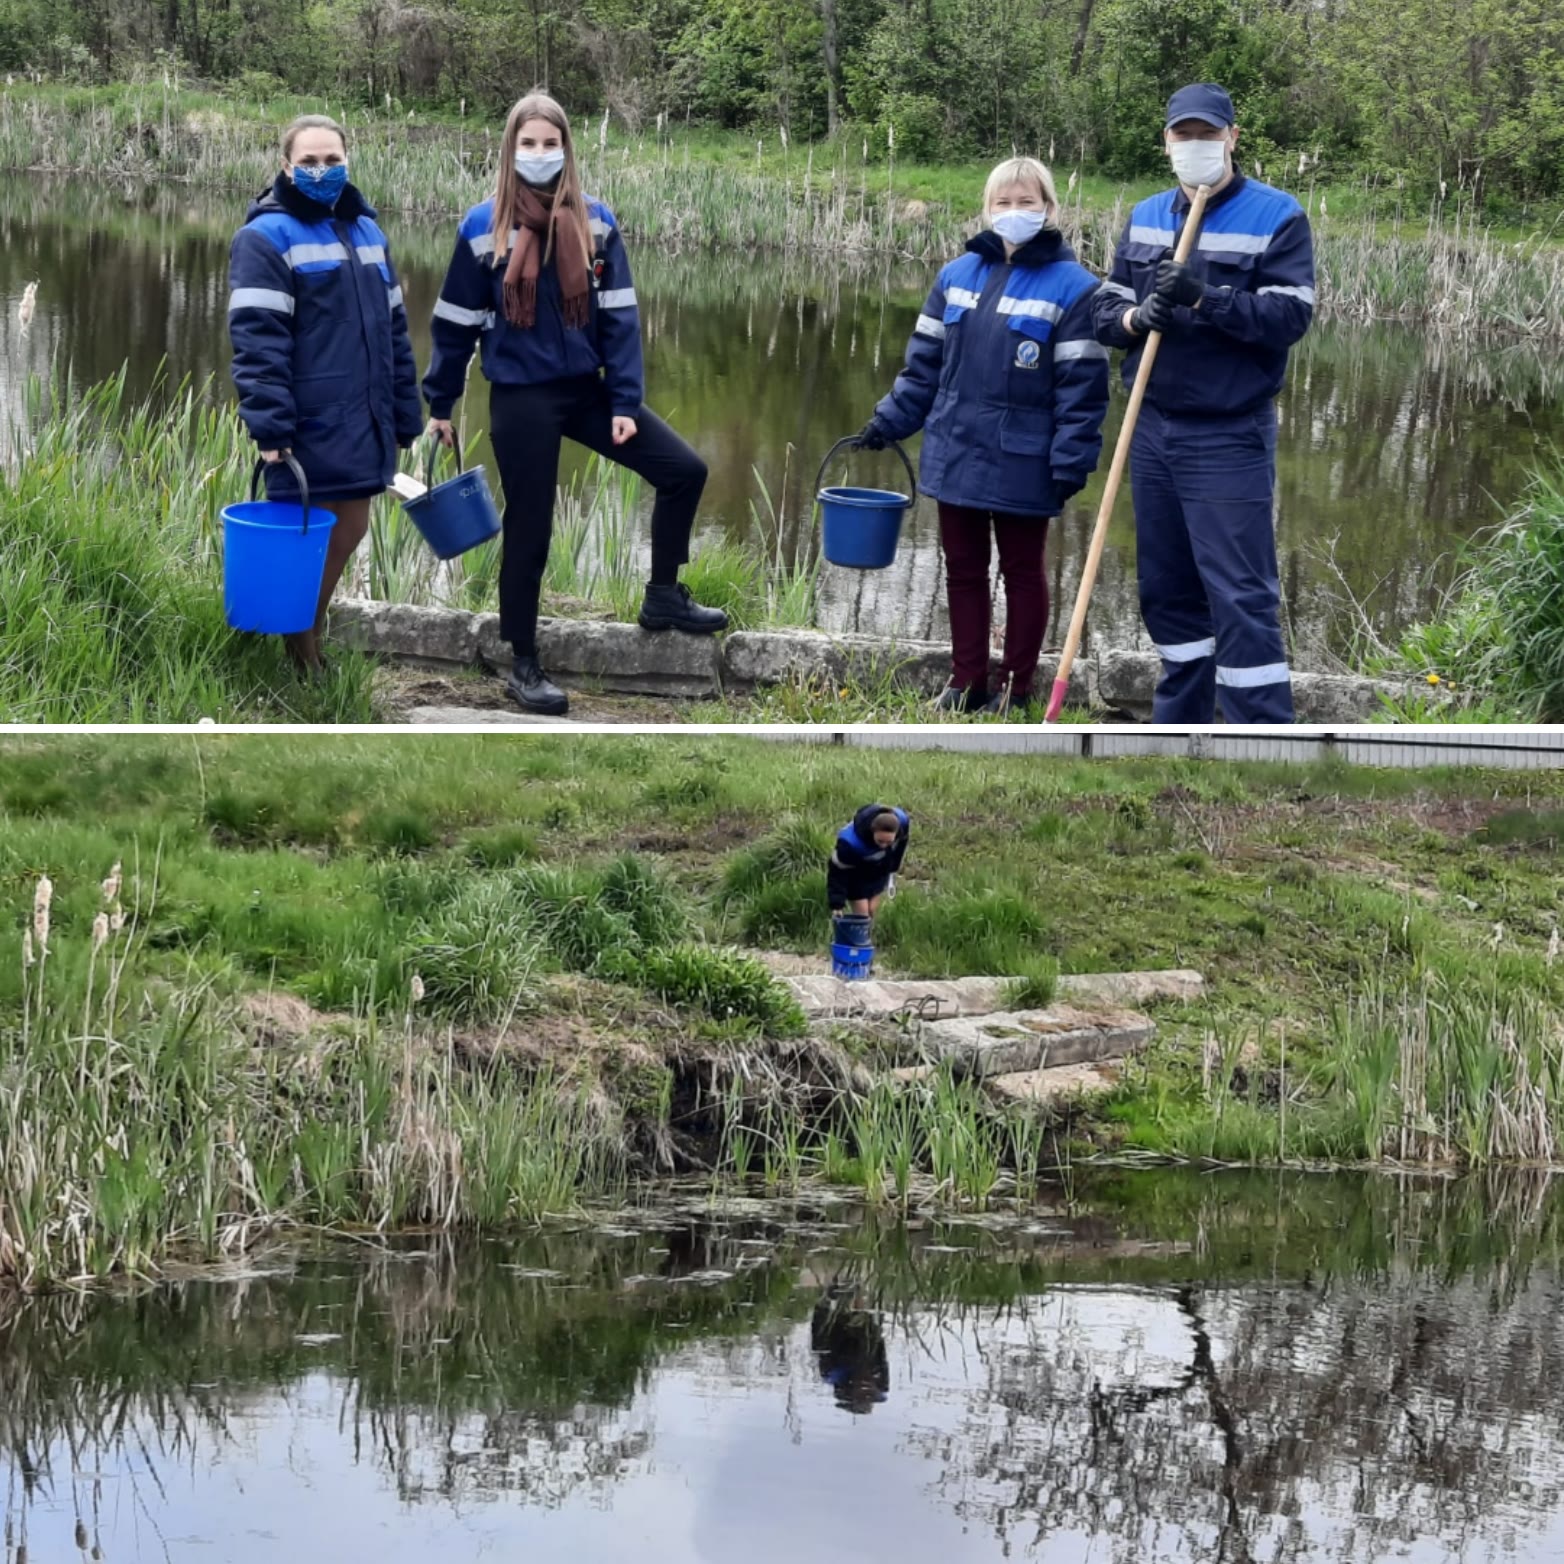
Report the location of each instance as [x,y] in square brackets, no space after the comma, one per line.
[868,852]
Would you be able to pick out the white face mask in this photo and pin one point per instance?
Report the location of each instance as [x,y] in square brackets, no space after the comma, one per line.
[538,168]
[1198,162]
[1018,226]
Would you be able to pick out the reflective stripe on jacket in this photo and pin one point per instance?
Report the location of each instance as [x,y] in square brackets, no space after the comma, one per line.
[321,355]
[1256,254]
[1006,379]
[471,308]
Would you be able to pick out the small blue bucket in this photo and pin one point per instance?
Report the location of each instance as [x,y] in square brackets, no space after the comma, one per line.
[860,528]
[274,556]
[458,514]
[852,962]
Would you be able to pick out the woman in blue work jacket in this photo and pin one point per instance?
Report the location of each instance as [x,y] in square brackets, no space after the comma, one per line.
[1006,380]
[540,275]
[321,355]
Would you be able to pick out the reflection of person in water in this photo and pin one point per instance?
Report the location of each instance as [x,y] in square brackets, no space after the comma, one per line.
[850,1347]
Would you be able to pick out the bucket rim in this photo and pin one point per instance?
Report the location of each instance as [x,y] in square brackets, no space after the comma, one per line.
[319,516]
[867,499]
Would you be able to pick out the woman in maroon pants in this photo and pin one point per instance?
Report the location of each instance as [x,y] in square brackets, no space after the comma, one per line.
[1006,379]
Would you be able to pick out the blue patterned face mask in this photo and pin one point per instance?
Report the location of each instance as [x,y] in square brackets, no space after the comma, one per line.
[320,182]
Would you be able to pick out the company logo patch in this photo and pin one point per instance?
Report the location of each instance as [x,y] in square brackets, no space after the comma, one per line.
[1027,354]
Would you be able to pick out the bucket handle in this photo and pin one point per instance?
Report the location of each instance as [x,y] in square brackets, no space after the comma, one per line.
[261,465]
[435,447]
[851,441]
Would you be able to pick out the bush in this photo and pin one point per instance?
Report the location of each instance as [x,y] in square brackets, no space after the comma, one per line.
[724,983]
[476,955]
[646,898]
[776,886]
[792,849]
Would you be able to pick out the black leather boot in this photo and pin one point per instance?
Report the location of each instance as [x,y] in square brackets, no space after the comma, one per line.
[672,608]
[953,698]
[533,690]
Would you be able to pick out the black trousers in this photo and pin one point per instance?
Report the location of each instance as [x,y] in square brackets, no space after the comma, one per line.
[527,425]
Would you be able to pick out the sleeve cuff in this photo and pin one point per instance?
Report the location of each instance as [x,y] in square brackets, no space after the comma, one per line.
[441,410]
[626,410]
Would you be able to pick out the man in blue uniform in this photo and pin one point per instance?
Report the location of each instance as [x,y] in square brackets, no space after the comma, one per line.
[1203,461]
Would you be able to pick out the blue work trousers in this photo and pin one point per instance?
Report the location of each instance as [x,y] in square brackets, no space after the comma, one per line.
[1205,544]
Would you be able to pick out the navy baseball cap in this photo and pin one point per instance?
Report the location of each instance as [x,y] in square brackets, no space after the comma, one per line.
[1204,101]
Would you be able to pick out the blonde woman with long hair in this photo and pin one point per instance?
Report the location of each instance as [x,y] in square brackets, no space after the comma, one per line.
[540,277]
[1009,385]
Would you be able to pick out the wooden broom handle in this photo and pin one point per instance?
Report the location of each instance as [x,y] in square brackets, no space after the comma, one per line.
[1110,492]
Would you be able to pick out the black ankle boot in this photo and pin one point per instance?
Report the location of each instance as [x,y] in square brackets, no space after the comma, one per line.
[953,698]
[672,608]
[533,690]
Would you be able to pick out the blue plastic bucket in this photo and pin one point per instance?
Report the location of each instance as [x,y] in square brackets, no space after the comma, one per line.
[852,928]
[852,962]
[860,528]
[458,514]
[274,556]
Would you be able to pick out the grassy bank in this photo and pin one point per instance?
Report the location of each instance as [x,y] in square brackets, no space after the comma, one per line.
[111,568]
[468,981]
[1377,260]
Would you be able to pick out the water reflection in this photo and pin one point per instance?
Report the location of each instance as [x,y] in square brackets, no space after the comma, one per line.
[1235,1369]
[1393,450]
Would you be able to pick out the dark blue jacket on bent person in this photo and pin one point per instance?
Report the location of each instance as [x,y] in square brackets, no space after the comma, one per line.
[858,868]
[1256,255]
[471,306]
[1006,379]
[321,355]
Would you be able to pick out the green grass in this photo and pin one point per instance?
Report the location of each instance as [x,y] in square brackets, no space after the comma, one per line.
[111,568]
[110,587]
[582,916]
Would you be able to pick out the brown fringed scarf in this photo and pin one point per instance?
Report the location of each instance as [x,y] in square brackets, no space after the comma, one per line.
[526,260]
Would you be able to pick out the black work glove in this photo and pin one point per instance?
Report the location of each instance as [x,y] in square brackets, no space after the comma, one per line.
[871,437]
[1178,283]
[1066,486]
[1156,314]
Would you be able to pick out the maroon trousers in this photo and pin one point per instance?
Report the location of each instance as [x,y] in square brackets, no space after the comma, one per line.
[964,535]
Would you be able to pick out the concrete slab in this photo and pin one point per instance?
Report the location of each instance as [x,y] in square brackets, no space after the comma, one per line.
[1012,1042]
[823,996]
[1058,1084]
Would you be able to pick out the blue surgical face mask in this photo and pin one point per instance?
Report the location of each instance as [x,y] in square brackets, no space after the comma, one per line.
[540,168]
[1019,226]
[321,182]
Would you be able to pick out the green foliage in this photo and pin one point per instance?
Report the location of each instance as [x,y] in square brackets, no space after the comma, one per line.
[1416,93]
[1499,639]
[726,984]
[476,955]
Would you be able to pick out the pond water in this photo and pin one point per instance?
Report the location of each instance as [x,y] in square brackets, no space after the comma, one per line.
[1394,447]
[1168,1367]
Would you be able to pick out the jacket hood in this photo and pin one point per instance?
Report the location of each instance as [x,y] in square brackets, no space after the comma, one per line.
[285,196]
[863,822]
[1049,246]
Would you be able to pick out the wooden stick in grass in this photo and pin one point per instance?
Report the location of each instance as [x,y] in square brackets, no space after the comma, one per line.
[1110,492]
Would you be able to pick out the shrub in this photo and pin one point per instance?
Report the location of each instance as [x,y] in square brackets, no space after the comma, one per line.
[476,955]
[724,983]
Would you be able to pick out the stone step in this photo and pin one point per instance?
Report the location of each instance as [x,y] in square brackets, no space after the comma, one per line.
[824,997]
[1021,1041]
[1056,1084]
[623,658]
